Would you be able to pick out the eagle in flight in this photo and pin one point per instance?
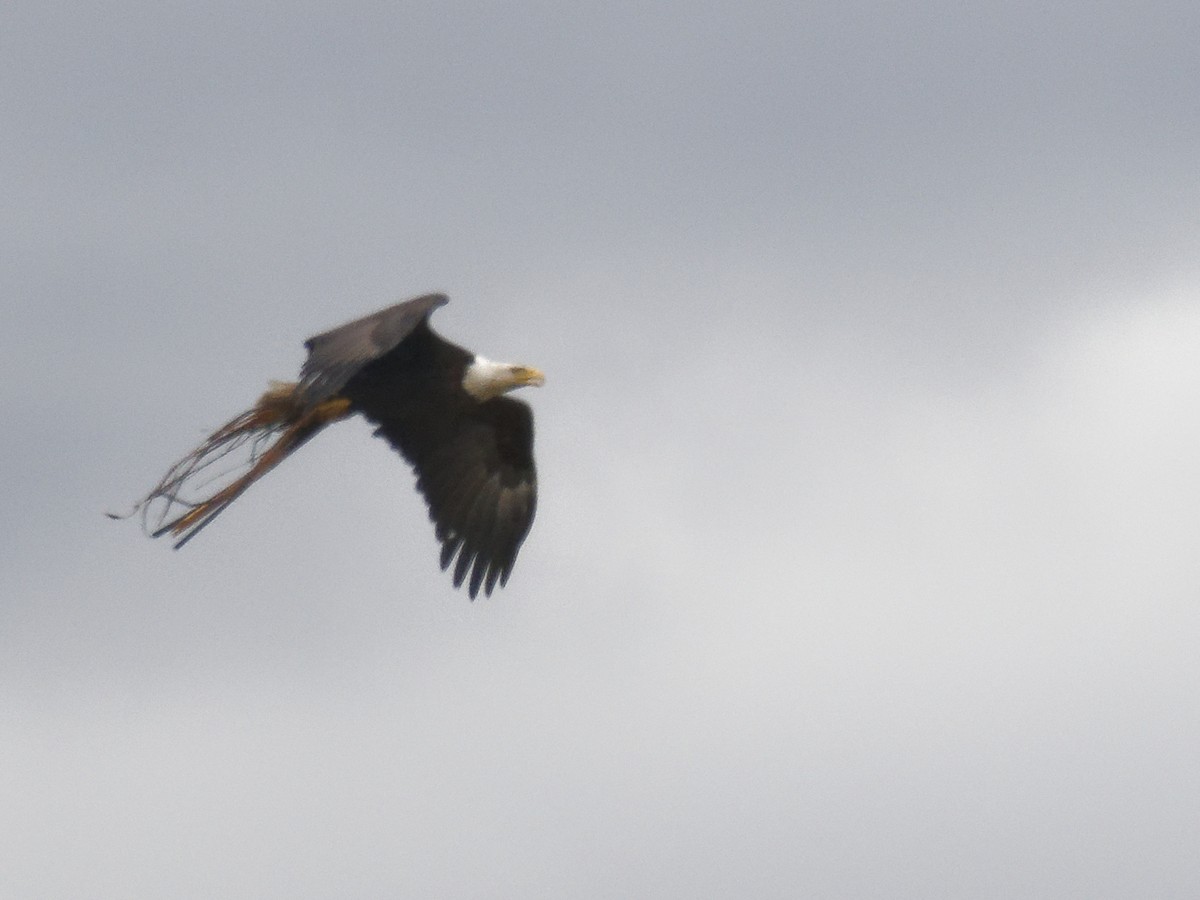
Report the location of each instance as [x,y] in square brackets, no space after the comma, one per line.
[441,407]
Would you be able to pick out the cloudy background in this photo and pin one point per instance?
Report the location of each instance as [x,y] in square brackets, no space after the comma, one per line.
[866,563]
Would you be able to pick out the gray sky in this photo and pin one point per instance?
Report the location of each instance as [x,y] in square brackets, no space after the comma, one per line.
[866,560]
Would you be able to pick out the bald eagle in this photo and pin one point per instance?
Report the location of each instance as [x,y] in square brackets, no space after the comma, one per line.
[441,407]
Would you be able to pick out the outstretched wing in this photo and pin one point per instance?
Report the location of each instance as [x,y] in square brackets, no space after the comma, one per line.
[336,356]
[477,474]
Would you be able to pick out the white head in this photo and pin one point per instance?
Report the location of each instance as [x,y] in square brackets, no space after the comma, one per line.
[485,379]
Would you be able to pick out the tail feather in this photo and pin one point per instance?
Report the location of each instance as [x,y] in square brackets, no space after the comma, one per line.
[269,432]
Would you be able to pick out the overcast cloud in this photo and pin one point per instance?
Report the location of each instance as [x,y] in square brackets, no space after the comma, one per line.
[866,560]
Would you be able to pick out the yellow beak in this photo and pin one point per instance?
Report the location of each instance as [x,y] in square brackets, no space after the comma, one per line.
[528,377]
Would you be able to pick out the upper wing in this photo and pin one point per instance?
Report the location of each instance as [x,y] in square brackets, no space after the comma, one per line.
[478,477]
[336,356]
